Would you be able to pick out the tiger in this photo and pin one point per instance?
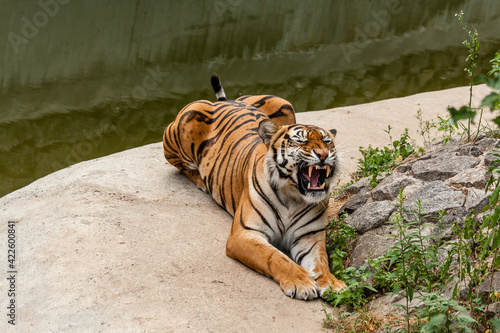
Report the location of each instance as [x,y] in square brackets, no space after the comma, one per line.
[271,175]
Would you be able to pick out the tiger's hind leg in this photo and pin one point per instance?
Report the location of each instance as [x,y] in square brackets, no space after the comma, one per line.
[173,154]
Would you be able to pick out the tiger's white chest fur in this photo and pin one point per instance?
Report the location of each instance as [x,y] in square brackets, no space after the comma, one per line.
[286,217]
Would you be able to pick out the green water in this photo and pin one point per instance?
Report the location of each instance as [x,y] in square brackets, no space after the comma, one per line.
[83,79]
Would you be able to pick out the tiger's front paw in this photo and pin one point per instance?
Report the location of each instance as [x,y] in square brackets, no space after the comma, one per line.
[327,280]
[299,285]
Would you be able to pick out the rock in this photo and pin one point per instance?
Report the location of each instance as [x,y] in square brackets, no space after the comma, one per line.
[469,178]
[371,216]
[490,160]
[444,228]
[487,144]
[389,188]
[442,166]
[383,305]
[369,246]
[477,200]
[363,183]
[445,252]
[125,243]
[458,325]
[408,190]
[356,201]
[469,150]
[404,168]
[462,288]
[435,197]
[488,286]
[414,304]
[493,309]
[388,304]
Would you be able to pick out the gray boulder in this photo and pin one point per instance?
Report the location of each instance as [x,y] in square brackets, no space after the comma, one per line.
[370,216]
[487,144]
[442,166]
[363,183]
[476,200]
[370,245]
[493,309]
[490,160]
[490,284]
[469,178]
[470,150]
[444,228]
[389,188]
[435,197]
[356,201]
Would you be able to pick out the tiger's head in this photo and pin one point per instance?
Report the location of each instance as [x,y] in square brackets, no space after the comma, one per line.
[301,159]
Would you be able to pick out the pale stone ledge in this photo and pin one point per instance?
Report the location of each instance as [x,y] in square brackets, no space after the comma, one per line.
[124,243]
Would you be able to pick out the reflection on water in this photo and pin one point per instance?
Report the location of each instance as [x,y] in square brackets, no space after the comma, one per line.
[85,79]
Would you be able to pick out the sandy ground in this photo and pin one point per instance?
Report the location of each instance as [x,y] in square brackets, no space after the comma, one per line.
[125,243]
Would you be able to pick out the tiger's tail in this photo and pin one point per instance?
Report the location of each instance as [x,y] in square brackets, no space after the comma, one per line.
[217,86]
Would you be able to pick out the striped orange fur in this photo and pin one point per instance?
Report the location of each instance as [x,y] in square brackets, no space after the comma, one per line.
[271,174]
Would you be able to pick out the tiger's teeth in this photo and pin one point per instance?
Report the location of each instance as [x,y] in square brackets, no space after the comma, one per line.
[322,186]
[327,170]
[309,186]
[310,170]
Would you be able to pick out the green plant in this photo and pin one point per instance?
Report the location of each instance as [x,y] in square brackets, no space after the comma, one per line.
[355,295]
[339,235]
[495,322]
[337,188]
[447,128]
[491,222]
[472,45]
[393,270]
[411,265]
[424,130]
[441,315]
[492,101]
[377,162]
[444,125]
[411,262]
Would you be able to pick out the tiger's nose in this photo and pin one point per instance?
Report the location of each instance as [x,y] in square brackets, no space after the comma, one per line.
[321,153]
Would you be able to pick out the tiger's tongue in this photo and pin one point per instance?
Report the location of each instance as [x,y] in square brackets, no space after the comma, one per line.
[313,179]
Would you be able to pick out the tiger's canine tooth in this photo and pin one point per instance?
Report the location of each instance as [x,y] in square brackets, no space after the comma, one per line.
[309,186]
[322,186]
[327,170]
[310,170]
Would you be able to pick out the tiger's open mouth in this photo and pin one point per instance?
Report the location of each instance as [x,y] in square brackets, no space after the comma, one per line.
[313,177]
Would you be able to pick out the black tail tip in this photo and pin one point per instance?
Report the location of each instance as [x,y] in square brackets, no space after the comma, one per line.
[217,86]
[215,81]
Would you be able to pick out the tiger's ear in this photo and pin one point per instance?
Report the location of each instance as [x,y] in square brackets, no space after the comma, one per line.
[266,130]
[333,131]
